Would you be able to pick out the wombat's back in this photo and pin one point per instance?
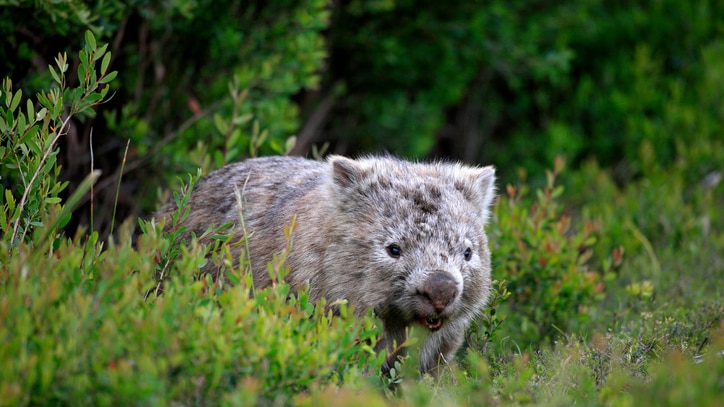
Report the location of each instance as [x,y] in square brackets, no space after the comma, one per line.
[272,191]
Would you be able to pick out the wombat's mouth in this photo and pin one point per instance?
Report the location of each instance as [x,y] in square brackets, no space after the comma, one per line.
[432,323]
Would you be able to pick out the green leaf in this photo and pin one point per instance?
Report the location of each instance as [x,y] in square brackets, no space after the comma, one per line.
[93,98]
[83,55]
[49,164]
[93,78]
[62,61]
[43,98]
[290,143]
[9,119]
[8,89]
[41,114]
[262,137]
[62,186]
[10,200]
[29,134]
[21,123]
[48,142]
[104,64]
[81,76]
[234,138]
[4,220]
[101,51]
[16,100]
[30,109]
[73,96]
[63,221]
[90,39]
[111,76]
[221,125]
[34,147]
[54,74]
[72,201]
[245,118]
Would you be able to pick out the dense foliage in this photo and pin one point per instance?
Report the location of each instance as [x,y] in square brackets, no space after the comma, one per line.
[197,77]
[607,272]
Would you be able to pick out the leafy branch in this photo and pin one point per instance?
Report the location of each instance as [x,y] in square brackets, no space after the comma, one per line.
[29,139]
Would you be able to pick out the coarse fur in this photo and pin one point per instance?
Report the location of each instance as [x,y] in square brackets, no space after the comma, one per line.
[404,239]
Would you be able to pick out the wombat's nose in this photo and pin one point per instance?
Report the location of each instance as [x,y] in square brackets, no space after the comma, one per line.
[439,289]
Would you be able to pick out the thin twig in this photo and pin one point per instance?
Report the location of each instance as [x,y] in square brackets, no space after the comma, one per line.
[239,206]
[23,200]
[118,187]
[92,163]
[25,184]
[647,245]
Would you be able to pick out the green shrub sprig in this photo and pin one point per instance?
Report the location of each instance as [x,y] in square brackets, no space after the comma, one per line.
[29,139]
[546,263]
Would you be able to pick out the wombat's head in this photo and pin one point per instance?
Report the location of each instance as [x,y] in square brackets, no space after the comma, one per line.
[411,237]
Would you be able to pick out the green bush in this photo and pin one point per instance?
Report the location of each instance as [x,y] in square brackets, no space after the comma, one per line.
[669,225]
[83,326]
[201,84]
[547,263]
[30,178]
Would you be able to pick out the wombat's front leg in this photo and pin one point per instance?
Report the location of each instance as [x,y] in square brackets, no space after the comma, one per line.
[439,348]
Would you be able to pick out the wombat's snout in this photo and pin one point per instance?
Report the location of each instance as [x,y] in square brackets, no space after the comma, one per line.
[439,290]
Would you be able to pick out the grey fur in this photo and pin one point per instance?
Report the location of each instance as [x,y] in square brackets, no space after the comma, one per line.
[351,214]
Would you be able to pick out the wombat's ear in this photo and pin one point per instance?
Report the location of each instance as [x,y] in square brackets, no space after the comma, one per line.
[345,172]
[485,185]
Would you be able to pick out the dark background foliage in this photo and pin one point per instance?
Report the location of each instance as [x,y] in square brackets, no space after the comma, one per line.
[513,83]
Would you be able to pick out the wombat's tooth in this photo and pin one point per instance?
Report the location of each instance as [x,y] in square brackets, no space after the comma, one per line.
[432,323]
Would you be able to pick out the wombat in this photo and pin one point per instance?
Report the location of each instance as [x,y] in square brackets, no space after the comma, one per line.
[404,239]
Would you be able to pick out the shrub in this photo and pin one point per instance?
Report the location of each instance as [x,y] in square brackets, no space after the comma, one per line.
[546,263]
[78,330]
[202,83]
[29,149]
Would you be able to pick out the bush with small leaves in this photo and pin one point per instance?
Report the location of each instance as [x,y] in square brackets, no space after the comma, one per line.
[547,263]
[30,182]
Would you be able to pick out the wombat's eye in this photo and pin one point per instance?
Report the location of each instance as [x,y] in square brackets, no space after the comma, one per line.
[394,251]
[468,253]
